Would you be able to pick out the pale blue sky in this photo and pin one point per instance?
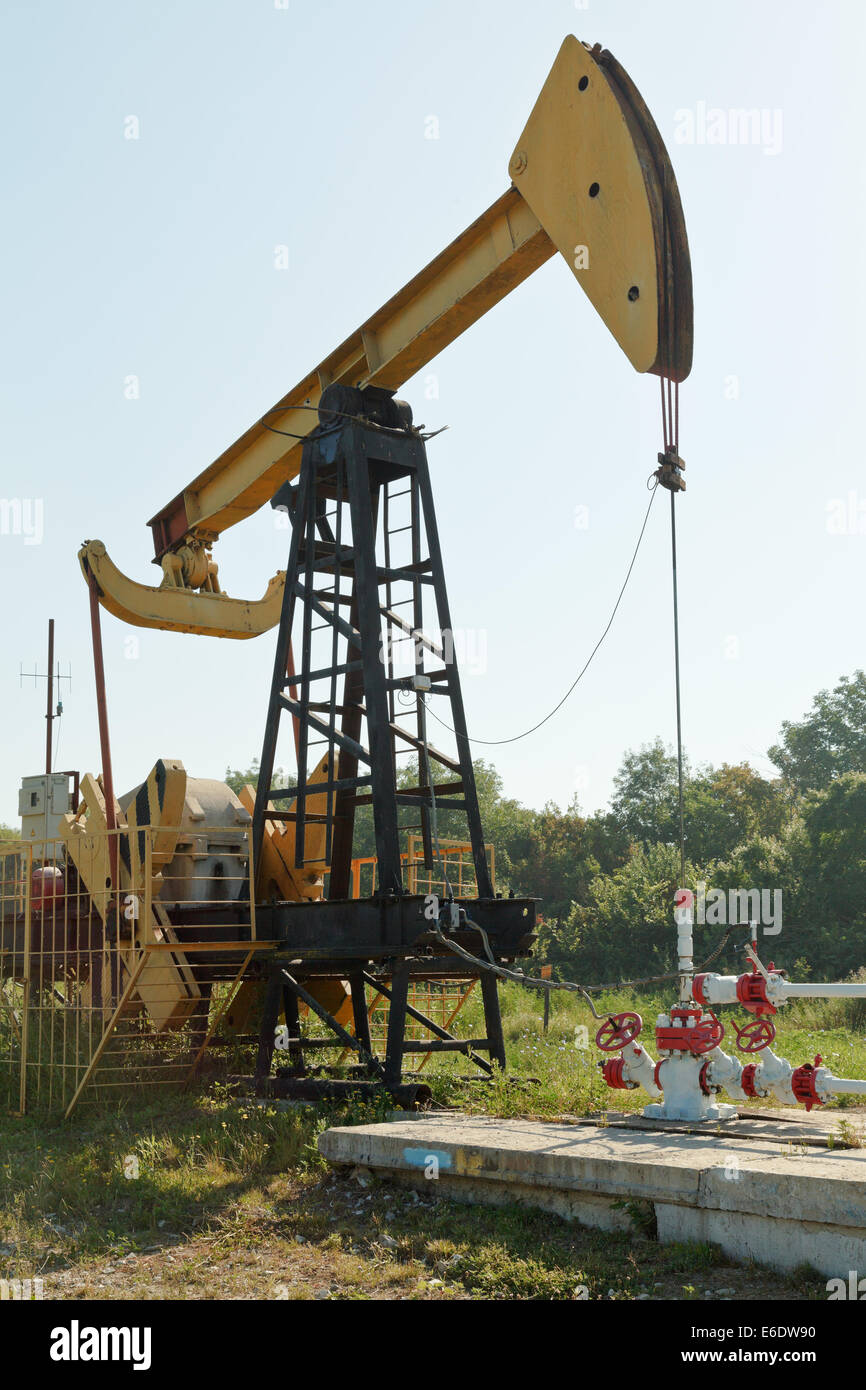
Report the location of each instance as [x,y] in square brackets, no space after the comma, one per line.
[305,126]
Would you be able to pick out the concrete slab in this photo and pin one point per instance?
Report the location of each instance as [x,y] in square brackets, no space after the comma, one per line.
[772,1196]
[822,1128]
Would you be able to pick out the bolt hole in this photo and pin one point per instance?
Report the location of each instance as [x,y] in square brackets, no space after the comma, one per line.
[583,84]
[594,190]
[634,293]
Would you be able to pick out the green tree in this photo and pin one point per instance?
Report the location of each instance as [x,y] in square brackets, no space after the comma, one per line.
[829,741]
[645,799]
[818,861]
[724,806]
[626,929]
[236,779]
[721,806]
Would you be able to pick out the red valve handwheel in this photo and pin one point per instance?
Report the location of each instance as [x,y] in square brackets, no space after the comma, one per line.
[756,1035]
[706,1037]
[618,1031]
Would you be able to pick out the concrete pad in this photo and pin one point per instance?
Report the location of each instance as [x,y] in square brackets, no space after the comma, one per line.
[821,1128]
[769,1197]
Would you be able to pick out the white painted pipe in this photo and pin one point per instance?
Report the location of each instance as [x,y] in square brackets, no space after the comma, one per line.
[726,1072]
[774,1074]
[639,1066]
[719,989]
[722,989]
[685,950]
[840,1087]
[819,991]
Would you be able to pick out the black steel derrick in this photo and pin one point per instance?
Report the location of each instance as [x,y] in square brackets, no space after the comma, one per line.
[364,590]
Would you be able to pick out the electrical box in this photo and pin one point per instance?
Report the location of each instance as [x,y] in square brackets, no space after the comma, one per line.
[42,803]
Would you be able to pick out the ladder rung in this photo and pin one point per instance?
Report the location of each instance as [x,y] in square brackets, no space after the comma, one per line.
[317,788]
[328,596]
[320,707]
[332,618]
[445,789]
[344,670]
[443,805]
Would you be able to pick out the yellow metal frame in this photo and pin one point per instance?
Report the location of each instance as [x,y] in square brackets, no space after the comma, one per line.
[215,615]
[96,991]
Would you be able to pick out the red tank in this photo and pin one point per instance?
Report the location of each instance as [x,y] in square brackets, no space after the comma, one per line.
[46,884]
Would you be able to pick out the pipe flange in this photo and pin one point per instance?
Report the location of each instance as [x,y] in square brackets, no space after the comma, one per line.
[803,1084]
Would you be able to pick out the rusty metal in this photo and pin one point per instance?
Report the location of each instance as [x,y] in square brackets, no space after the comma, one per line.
[102,716]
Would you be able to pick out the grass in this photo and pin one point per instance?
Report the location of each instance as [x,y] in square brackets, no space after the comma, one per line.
[204,1196]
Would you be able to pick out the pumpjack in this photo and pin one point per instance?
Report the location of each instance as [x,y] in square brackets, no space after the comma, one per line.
[341,457]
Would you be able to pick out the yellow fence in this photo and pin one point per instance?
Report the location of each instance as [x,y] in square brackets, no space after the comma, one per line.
[453,868]
[105,990]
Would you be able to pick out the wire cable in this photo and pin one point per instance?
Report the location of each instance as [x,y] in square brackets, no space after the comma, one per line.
[678,695]
[501,742]
[569,986]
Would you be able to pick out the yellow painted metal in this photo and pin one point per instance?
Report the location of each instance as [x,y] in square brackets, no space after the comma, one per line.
[480,267]
[277,875]
[167,991]
[86,841]
[178,609]
[578,167]
[129,989]
[456,857]
[592,180]
[335,996]
[216,1015]
[159,801]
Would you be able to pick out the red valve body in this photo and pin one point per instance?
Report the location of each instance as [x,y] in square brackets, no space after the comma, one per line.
[803,1084]
[695,1037]
[612,1073]
[752,994]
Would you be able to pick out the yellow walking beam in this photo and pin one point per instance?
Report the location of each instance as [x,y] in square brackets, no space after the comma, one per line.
[489,259]
[592,180]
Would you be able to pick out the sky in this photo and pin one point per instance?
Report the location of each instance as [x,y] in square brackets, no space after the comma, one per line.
[259,126]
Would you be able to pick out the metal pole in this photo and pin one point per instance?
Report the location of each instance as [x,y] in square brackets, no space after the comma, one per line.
[293,691]
[104,744]
[49,711]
